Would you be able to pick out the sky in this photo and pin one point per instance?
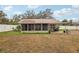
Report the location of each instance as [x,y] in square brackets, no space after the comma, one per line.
[60,12]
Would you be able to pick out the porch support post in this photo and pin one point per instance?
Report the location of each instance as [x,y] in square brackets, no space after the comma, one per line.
[34,27]
[48,26]
[27,27]
[41,27]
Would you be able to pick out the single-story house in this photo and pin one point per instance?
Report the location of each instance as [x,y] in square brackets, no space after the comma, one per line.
[38,24]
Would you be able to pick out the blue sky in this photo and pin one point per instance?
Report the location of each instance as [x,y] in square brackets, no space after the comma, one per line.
[60,12]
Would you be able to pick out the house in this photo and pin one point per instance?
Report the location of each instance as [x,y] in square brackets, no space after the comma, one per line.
[38,24]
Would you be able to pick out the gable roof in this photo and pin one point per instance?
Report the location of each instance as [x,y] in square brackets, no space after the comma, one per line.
[37,21]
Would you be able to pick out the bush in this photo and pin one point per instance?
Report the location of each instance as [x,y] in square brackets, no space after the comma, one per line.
[49,31]
[18,28]
[66,31]
[56,28]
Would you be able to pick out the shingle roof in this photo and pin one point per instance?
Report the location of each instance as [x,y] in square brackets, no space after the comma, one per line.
[34,21]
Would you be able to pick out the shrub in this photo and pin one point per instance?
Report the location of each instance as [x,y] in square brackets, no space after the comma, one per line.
[18,28]
[66,31]
[56,28]
[49,31]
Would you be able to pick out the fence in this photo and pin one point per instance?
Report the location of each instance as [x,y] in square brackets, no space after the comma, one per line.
[4,27]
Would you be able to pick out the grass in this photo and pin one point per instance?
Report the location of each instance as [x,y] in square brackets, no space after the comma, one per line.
[21,33]
[24,42]
[35,32]
[10,33]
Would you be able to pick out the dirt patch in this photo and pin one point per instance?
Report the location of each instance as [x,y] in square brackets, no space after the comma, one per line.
[55,42]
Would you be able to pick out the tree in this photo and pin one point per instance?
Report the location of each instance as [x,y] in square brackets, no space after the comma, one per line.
[3,19]
[39,15]
[15,19]
[65,22]
[2,14]
[30,14]
[47,14]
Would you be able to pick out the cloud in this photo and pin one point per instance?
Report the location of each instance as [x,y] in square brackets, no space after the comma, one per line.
[7,8]
[32,6]
[75,6]
[63,12]
[67,11]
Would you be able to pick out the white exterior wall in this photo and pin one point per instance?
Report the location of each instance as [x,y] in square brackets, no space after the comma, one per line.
[4,27]
[69,27]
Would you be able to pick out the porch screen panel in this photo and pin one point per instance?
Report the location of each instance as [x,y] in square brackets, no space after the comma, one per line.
[26,27]
[37,27]
[45,26]
[31,27]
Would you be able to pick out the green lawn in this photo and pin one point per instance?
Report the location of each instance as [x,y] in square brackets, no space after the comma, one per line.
[21,33]
[10,33]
